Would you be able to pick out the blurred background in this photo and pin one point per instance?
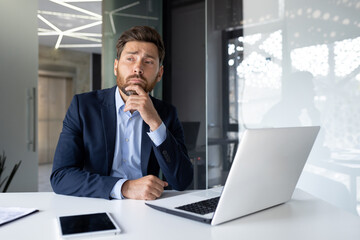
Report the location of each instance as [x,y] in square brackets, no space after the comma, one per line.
[230,65]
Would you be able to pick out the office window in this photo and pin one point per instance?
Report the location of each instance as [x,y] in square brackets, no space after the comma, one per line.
[291,63]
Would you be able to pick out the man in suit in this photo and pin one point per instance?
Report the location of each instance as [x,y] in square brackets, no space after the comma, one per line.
[114,142]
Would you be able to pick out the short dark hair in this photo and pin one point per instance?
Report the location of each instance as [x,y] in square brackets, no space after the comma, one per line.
[142,34]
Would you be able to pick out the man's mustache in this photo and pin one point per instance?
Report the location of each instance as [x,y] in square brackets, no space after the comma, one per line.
[131,92]
[136,76]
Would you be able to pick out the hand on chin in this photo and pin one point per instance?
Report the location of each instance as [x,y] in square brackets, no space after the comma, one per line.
[129,92]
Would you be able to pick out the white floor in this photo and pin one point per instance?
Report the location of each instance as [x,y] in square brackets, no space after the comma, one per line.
[44,178]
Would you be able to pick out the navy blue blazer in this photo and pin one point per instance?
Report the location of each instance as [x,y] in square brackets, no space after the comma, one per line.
[85,151]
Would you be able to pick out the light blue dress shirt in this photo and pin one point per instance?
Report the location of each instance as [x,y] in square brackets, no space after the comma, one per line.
[127,155]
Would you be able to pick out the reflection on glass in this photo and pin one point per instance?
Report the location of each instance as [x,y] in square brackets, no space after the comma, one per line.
[347,56]
[302,68]
[313,59]
[273,44]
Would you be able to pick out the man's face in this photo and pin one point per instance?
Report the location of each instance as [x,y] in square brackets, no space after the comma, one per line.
[138,65]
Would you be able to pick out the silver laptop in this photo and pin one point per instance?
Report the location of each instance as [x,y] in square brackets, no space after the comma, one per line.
[264,173]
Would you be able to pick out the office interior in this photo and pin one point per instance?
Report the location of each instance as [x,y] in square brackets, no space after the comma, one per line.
[230,65]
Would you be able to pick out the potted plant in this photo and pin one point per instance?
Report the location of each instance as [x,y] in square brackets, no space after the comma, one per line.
[7,180]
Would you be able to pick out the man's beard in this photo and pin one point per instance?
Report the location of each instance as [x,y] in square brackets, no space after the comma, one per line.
[123,84]
[128,93]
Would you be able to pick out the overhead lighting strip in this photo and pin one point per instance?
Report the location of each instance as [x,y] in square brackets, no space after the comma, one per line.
[46,32]
[53,27]
[79,45]
[48,23]
[84,37]
[73,35]
[58,41]
[83,27]
[67,15]
[77,8]
[111,13]
[136,16]
[43,30]
[81,1]
[71,32]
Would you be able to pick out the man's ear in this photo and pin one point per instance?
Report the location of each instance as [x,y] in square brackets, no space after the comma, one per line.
[160,73]
[115,66]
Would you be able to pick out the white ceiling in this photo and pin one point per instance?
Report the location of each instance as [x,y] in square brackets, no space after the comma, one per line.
[70,24]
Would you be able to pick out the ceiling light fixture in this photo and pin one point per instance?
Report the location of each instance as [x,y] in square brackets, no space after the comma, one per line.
[58,41]
[73,33]
[53,27]
[77,8]
[111,13]
[69,32]
[83,37]
[136,16]
[48,23]
[67,15]
[81,1]
[46,32]
[83,27]
[79,45]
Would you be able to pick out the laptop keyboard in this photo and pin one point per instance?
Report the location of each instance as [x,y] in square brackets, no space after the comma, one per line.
[202,207]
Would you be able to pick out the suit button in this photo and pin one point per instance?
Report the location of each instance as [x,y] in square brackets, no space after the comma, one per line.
[166,156]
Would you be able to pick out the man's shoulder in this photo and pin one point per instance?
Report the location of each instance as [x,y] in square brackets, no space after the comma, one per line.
[104,96]
[96,93]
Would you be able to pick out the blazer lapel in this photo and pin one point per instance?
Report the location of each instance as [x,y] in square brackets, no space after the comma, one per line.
[146,146]
[108,116]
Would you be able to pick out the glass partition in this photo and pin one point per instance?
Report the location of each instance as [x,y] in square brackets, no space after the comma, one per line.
[287,63]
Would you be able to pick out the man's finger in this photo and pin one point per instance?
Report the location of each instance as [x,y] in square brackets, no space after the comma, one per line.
[149,187]
[157,185]
[137,88]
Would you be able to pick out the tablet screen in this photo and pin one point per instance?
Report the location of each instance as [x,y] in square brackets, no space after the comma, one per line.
[88,223]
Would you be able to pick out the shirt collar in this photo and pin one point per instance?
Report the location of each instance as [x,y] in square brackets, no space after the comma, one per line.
[119,102]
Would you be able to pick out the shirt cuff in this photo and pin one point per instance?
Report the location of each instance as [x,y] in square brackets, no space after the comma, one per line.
[116,191]
[159,135]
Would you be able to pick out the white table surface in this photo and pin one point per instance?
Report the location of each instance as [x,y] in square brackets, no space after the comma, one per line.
[304,217]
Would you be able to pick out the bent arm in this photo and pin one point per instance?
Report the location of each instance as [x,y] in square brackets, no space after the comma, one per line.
[77,169]
[172,155]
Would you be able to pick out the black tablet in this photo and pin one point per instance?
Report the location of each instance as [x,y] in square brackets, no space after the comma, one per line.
[87,225]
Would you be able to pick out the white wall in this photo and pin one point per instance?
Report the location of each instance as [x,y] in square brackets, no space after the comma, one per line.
[322,38]
[18,73]
[70,62]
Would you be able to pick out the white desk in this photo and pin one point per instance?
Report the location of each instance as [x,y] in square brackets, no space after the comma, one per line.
[304,217]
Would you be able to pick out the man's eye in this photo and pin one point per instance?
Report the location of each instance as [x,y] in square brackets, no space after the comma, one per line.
[149,62]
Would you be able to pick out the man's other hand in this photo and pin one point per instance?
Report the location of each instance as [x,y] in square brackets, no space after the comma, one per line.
[145,188]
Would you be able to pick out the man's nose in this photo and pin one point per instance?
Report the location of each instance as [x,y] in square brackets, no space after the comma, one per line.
[138,68]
